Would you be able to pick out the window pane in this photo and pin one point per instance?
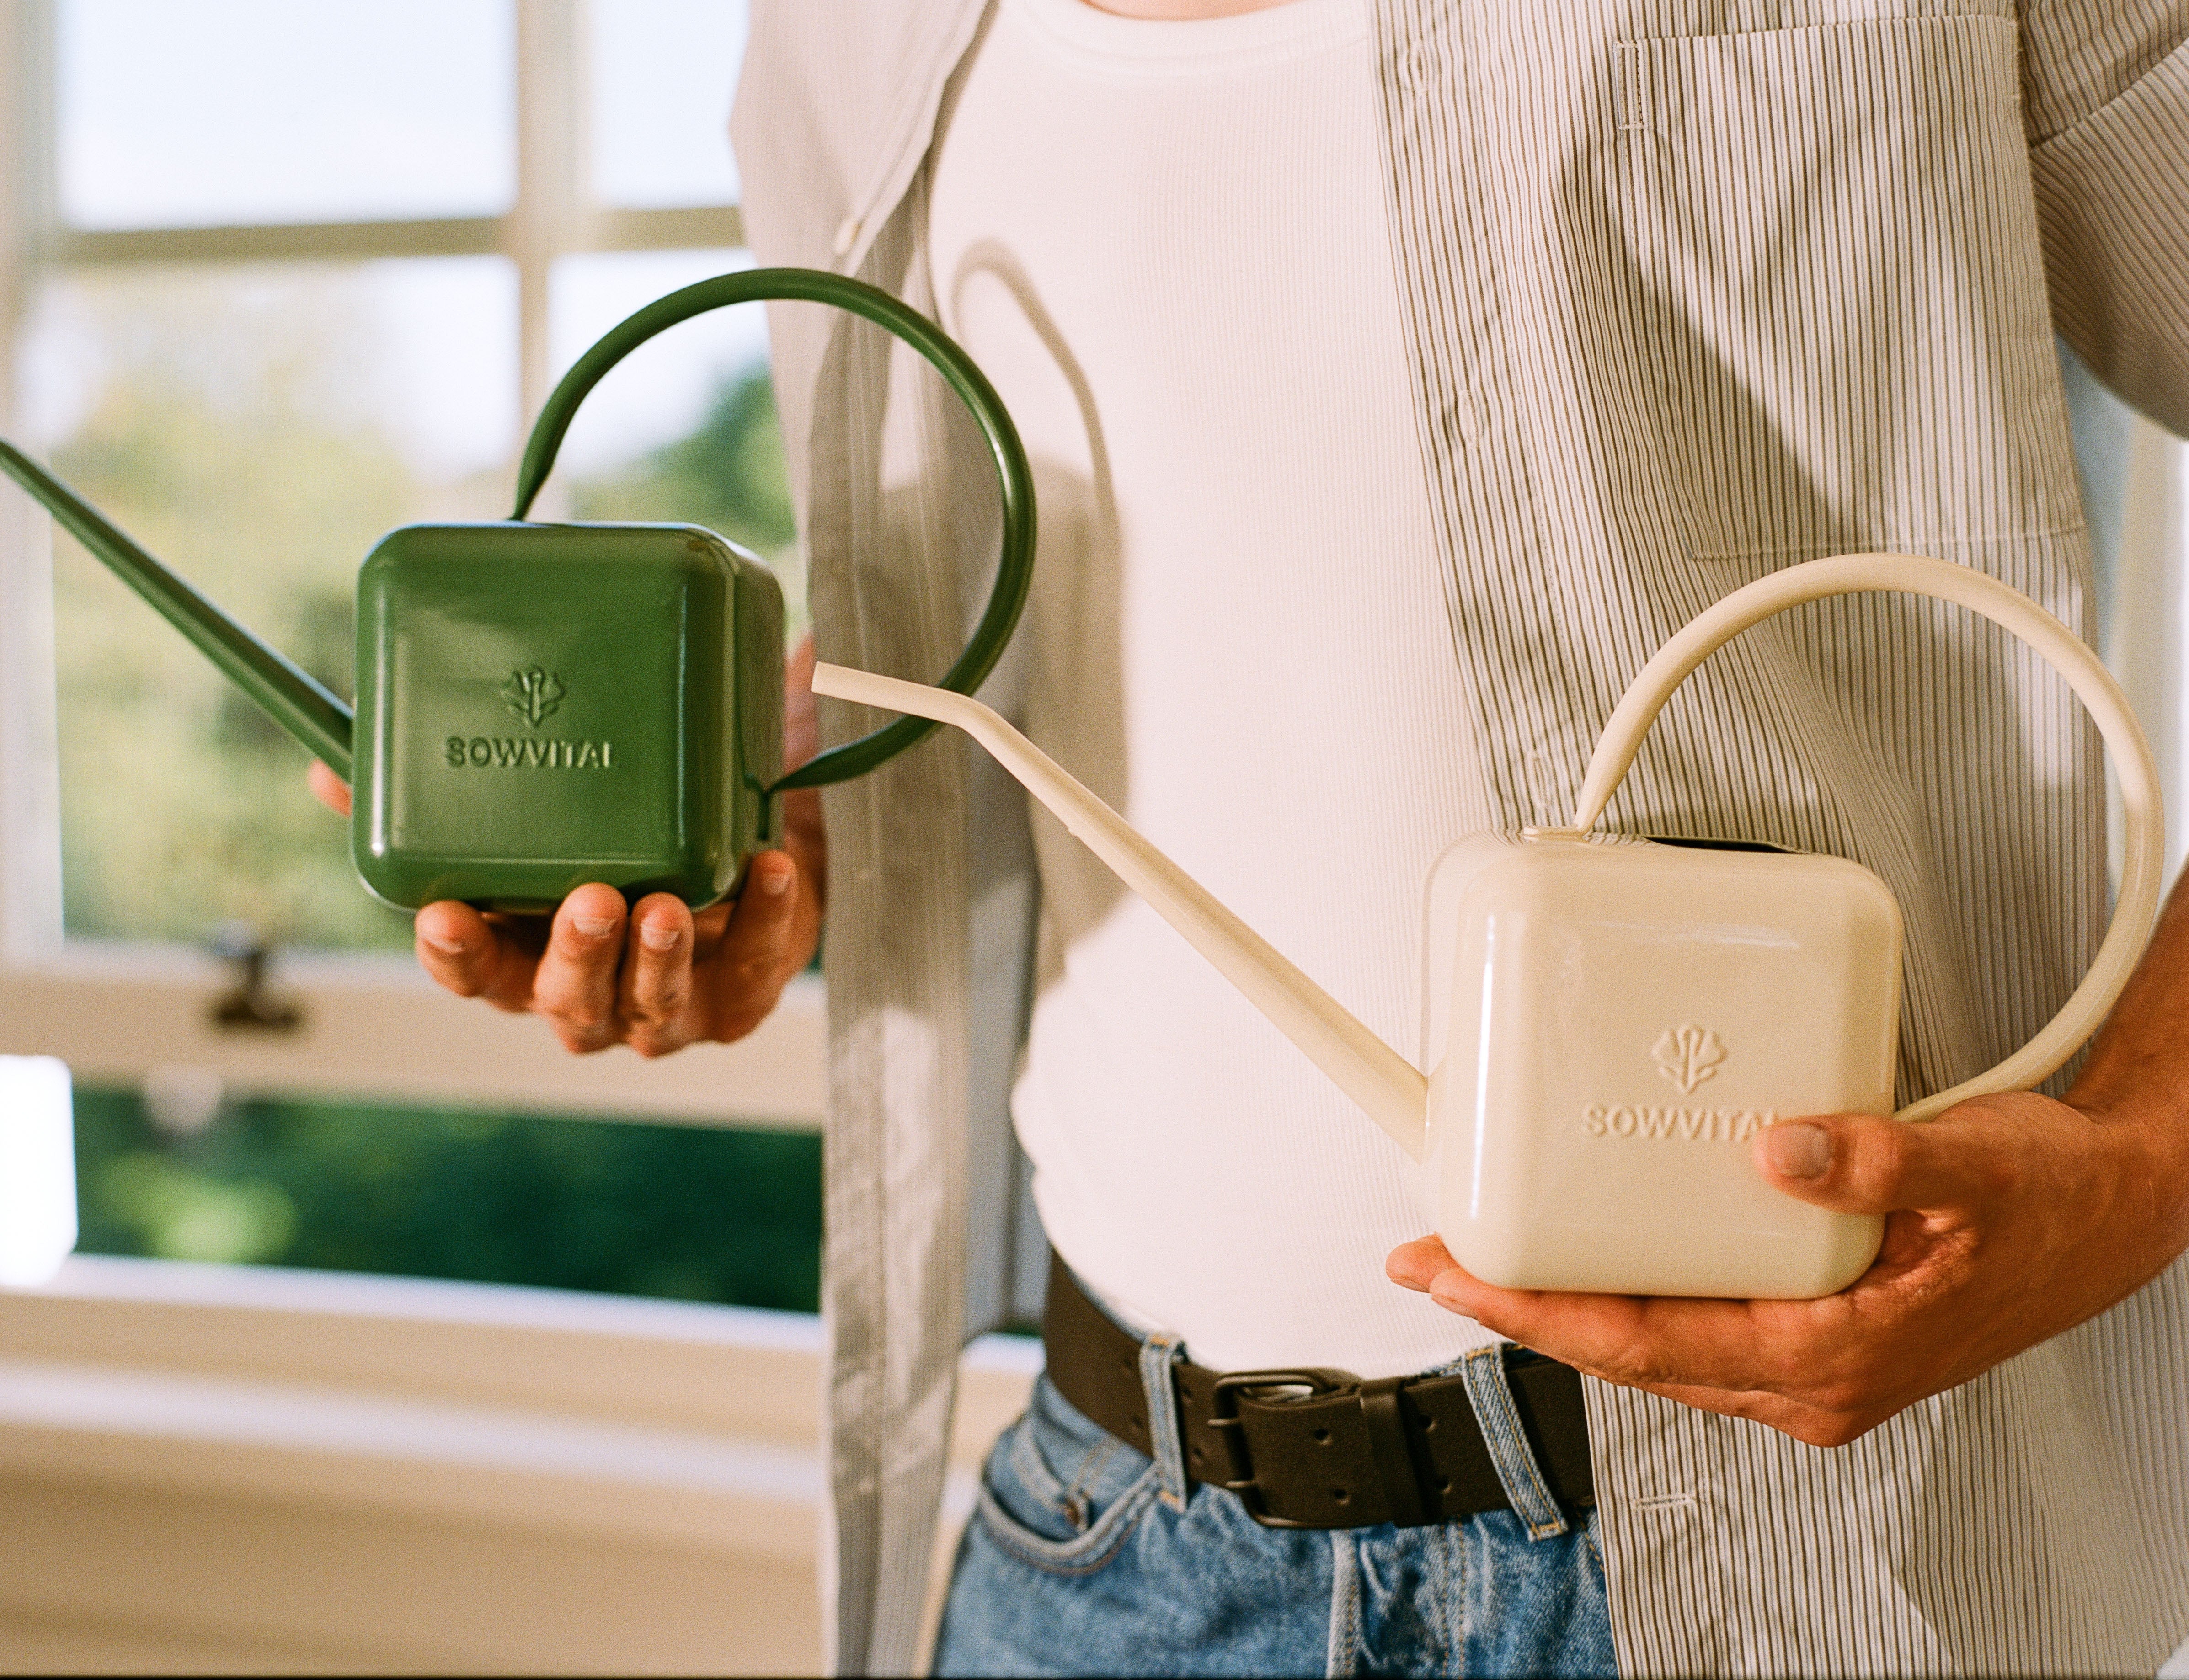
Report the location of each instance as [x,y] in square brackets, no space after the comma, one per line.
[663,71]
[258,428]
[224,111]
[690,1212]
[684,428]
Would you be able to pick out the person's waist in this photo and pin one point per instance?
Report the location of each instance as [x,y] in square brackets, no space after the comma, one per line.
[1315,1447]
[1252,1222]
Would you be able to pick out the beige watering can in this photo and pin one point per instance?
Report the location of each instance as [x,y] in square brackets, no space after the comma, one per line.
[1610,1018]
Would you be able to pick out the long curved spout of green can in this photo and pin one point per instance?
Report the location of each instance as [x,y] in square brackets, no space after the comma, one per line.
[289,695]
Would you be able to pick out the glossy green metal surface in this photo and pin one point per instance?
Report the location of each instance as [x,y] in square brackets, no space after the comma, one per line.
[539,706]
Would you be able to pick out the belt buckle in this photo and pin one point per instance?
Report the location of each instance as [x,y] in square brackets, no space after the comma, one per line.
[1317,1381]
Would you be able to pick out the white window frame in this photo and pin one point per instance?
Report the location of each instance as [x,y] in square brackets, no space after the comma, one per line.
[375,1029]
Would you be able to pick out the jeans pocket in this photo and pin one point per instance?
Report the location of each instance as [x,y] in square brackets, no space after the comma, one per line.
[1059,1493]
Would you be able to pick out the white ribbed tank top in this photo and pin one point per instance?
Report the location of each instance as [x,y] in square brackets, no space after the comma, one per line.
[1166,244]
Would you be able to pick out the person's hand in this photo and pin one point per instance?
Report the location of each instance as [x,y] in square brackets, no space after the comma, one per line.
[653,975]
[2009,1220]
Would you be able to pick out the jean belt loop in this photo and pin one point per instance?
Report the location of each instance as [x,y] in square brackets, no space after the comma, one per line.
[1525,1485]
[1158,1353]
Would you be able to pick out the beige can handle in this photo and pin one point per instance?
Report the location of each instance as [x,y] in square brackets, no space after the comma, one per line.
[2134,912]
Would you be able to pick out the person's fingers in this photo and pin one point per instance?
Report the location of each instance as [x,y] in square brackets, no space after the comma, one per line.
[329,788]
[602,976]
[1817,1425]
[575,984]
[1625,1339]
[1776,1347]
[1681,1348]
[1416,1265]
[465,953]
[708,927]
[1857,1163]
[747,968]
[1645,1341]
[657,974]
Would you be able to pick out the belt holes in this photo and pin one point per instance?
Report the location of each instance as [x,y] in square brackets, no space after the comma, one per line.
[1443,1483]
[1322,1437]
[1428,1426]
[1340,1496]
[1138,1422]
[1198,1455]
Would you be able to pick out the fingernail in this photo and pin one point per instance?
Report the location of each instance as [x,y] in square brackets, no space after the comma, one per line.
[452,947]
[593,927]
[775,883]
[656,937]
[1798,1151]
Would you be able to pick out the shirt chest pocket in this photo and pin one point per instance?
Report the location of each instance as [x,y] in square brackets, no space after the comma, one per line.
[1833,248]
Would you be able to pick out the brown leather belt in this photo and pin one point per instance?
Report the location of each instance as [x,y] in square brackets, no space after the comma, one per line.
[1320,1449]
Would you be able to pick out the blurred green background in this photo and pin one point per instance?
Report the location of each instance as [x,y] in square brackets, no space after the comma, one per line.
[686,1212]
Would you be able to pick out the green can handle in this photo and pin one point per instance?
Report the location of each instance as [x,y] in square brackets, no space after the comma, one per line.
[1014,478]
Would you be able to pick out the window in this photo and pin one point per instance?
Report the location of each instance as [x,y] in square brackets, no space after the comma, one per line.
[2136,488]
[277,278]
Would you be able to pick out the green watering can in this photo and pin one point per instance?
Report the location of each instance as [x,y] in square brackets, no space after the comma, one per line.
[543,705]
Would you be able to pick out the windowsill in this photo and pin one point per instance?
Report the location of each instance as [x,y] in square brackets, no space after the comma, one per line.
[377,1029]
[402,1413]
[721,1372]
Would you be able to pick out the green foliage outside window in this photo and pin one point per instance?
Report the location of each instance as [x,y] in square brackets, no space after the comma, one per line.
[218,439]
[687,1213]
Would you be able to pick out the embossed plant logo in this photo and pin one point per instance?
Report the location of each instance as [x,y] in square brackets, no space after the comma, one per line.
[1687,1055]
[533,693]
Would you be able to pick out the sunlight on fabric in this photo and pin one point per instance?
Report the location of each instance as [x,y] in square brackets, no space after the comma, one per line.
[37,1170]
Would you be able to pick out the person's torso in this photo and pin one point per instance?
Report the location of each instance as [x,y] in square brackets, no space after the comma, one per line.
[1168,245]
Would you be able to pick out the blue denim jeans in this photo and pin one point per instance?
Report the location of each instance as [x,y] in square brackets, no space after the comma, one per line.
[1074,1563]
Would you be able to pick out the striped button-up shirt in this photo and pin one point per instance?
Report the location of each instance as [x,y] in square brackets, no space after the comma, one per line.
[1694,289]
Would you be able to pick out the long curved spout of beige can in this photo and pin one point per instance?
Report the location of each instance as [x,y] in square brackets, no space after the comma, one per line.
[1383,1082]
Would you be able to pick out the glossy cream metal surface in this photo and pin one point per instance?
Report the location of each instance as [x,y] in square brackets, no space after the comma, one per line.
[1610,1022]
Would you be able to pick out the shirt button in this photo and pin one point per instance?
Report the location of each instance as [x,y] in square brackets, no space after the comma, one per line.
[848,235]
[1421,66]
[1463,418]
